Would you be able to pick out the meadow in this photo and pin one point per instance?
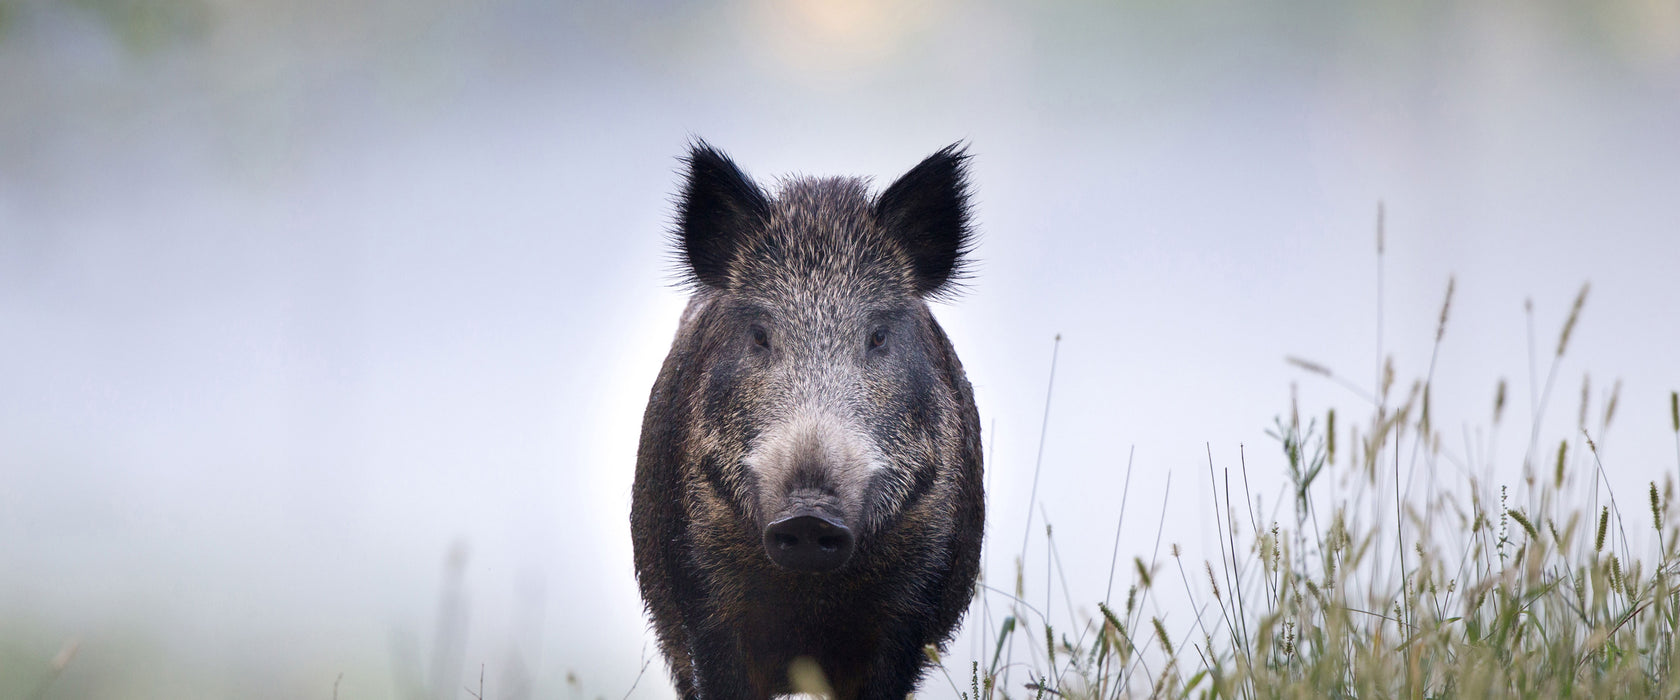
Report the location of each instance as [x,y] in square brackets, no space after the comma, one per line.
[1466,588]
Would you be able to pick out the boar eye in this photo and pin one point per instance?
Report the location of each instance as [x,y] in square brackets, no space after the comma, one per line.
[878,338]
[760,337]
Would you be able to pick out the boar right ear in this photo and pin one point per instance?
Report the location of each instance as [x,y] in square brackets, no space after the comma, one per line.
[719,205]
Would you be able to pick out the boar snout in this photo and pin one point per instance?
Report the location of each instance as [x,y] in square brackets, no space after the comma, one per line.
[808,540]
[809,533]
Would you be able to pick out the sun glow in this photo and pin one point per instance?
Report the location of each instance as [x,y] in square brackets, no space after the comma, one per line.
[823,38]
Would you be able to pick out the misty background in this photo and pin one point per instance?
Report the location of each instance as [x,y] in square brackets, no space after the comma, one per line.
[325,328]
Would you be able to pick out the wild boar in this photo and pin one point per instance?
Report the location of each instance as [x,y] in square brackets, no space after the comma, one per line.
[808,482]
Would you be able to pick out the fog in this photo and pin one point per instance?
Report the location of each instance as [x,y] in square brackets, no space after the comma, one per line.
[325,331]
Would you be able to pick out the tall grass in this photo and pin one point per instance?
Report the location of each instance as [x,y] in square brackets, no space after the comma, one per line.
[1357,586]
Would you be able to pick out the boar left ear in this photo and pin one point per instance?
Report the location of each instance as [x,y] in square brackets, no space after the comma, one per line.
[719,207]
[926,209]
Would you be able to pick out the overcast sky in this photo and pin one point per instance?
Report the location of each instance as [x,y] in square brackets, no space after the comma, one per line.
[296,300]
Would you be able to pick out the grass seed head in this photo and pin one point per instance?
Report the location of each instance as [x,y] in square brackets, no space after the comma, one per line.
[1308,365]
[1563,452]
[1610,408]
[1656,508]
[1330,437]
[1527,526]
[1441,328]
[1161,633]
[1574,315]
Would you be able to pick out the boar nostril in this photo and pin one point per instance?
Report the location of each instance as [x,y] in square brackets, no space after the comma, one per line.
[808,542]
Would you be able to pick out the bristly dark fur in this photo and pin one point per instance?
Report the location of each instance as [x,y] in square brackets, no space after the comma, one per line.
[808,369]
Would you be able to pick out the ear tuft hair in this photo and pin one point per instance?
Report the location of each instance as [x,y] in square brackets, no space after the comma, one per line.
[718,207]
[927,210]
